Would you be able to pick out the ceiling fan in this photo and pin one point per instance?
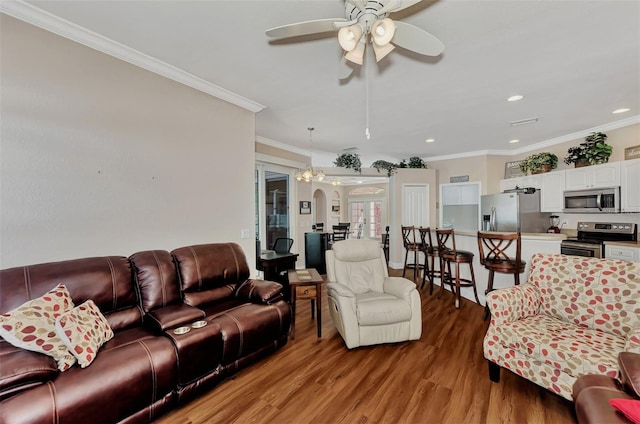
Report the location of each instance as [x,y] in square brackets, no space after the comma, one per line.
[367,21]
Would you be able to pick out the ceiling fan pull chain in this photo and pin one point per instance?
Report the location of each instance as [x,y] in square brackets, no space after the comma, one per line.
[366,82]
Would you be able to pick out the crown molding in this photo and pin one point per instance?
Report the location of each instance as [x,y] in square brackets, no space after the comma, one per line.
[45,20]
[278,145]
[543,144]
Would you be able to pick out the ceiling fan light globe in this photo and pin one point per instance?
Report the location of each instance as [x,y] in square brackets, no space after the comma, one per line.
[356,55]
[383,31]
[348,37]
[382,51]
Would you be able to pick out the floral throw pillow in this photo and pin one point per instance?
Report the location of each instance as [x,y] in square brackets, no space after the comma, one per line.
[31,326]
[84,330]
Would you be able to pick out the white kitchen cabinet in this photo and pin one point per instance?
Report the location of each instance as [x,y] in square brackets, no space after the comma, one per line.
[625,253]
[520,182]
[630,185]
[595,176]
[551,191]
[456,194]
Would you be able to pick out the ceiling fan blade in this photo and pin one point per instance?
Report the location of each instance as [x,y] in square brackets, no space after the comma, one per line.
[359,4]
[396,5]
[344,70]
[304,28]
[417,40]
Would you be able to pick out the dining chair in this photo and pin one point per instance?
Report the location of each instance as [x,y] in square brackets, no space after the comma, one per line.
[339,232]
[282,245]
[494,257]
[448,255]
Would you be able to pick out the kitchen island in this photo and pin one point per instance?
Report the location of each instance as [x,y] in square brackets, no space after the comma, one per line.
[531,243]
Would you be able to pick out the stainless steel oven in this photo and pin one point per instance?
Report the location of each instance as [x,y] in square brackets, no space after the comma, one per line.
[592,235]
[577,248]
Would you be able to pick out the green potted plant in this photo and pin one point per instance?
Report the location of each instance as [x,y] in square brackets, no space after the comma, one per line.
[416,162]
[593,151]
[539,162]
[349,161]
[390,167]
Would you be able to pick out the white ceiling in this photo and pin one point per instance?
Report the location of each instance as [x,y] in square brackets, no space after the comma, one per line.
[574,61]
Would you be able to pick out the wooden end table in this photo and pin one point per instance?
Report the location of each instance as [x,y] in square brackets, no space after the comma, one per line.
[306,284]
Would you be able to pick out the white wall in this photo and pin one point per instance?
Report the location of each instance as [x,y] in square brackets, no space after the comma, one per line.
[100,157]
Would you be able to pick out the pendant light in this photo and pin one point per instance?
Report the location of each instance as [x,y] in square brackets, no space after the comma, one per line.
[310,174]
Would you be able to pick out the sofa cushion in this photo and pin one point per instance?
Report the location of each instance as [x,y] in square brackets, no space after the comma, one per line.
[602,294]
[375,308]
[108,281]
[359,265]
[210,272]
[157,279]
[572,349]
[31,326]
[84,330]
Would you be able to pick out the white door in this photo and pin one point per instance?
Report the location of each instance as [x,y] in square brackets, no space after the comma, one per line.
[415,205]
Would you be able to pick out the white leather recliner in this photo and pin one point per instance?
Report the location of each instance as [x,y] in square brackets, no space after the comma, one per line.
[367,306]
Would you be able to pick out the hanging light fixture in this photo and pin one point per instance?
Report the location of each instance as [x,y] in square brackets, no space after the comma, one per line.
[310,174]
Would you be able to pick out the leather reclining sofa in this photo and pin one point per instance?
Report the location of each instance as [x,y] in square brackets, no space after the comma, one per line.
[592,393]
[145,369]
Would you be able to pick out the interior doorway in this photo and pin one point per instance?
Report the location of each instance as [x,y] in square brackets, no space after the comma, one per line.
[367,217]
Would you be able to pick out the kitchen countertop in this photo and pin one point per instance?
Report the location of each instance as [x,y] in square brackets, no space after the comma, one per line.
[623,243]
[524,236]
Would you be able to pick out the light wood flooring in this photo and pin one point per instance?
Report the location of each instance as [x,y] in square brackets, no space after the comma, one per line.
[441,378]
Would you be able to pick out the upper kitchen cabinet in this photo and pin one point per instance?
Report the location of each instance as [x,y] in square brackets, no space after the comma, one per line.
[520,182]
[630,185]
[460,206]
[456,194]
[552,188]
[595,176]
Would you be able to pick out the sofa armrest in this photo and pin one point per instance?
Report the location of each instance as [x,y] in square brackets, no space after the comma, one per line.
[172,316]
[260,291]
[344,297]
[513,303]
[341,290]
[632,343]
[22,369]
[630,372]
[399,287]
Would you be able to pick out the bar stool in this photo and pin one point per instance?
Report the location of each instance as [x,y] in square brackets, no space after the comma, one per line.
[430,253]
[410,245]
[497,260]
[385,244]
[448,255]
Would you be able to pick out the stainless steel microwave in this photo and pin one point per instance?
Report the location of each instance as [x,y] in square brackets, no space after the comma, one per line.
[593,200]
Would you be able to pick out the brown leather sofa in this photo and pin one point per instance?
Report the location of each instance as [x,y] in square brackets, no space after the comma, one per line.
[592,392]
[145,369]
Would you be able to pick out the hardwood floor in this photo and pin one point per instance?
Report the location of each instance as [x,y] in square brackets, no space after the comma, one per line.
[441,378]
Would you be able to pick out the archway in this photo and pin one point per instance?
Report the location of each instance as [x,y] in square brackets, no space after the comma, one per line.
[320,207]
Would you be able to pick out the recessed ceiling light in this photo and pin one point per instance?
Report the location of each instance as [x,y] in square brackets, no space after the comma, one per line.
[514,141]
[621,110]
[430,140]
[515,98]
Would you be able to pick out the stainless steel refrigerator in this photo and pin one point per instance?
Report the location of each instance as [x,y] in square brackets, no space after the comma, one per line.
[514,210]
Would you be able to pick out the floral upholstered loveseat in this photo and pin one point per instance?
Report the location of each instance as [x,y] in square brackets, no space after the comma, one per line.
[572,317]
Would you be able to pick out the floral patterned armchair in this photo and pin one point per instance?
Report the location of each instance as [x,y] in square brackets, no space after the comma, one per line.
[572,317]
